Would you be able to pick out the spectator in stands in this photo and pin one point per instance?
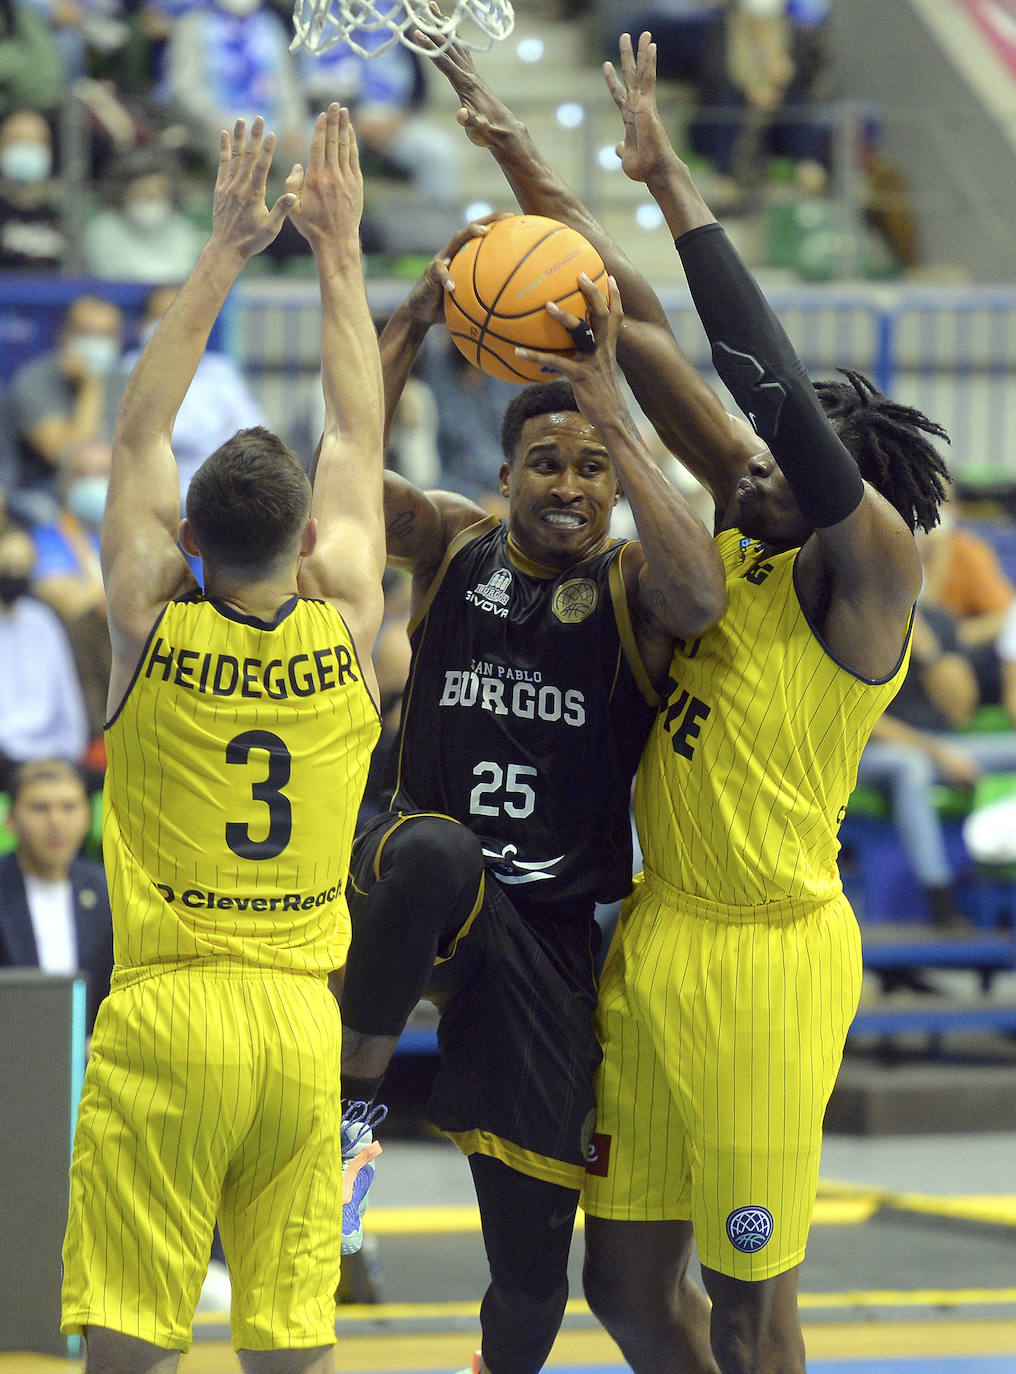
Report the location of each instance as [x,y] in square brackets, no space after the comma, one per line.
[962,573]
[1005,647]
[32,233]
[32,75]
[914,746]
[229,57]
[64,397]
[85,31]
[387,94]
[67,573]
[411,446]
[54,907]
[218,402]
[68,578]
[469,406]
[142,234]
[42,713]
[737,55]
[803,131]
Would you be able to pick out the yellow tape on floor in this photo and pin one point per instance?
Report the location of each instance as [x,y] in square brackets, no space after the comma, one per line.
[446,1350]
[844,1209]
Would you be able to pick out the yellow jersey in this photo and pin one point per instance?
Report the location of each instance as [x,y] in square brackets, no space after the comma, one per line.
[745,778]
[236,765]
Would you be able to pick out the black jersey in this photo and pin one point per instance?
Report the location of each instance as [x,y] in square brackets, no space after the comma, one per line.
[525,714]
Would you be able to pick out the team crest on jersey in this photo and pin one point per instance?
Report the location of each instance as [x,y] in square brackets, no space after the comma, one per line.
[493,595]
[749,1228]
[575,600]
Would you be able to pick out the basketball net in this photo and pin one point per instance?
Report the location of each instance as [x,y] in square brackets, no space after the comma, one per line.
[320,24]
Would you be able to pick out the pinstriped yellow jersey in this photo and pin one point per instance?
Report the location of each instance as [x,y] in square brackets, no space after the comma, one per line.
[747,772]
[237,762]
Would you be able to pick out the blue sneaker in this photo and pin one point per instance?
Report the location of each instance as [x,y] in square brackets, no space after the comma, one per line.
[358,1122]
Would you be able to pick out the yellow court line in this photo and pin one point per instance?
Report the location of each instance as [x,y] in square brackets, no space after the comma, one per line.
[997,1209]
[414,1351]
[839,1210]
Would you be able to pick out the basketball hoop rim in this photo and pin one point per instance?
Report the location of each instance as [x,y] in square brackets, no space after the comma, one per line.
[320,25]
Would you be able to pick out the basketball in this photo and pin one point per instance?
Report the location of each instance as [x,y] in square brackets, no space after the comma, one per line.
[504,278]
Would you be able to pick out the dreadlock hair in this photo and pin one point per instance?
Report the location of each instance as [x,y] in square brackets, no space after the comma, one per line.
[887,442]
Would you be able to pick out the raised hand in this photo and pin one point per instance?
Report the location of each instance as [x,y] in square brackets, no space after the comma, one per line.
[425,303]
[646,152]
[241,221]
[328,194]
[483,115]
[591,368]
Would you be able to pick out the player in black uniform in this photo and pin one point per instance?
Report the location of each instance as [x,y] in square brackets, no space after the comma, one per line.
[540,646]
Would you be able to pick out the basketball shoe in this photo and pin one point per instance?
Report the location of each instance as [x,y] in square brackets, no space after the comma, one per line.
[359,1120]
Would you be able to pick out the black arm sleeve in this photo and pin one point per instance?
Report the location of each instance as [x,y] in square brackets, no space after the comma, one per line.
[758,364]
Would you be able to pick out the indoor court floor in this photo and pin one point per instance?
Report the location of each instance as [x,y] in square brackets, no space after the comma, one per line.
[911,1268]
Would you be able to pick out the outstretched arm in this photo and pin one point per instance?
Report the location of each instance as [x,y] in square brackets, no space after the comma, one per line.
[863,562]
[686,413]
[420,525]
[677,589]
[142,566]
[348,561]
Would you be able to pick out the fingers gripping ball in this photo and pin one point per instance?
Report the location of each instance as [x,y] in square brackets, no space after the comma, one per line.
[504,279]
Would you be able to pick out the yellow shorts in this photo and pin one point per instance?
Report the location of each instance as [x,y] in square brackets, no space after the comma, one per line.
[722,1035]
[209,1095]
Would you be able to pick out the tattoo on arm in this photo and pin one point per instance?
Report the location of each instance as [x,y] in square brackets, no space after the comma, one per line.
[402,526]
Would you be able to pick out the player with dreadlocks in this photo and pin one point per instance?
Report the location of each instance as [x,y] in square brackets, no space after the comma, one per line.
[735,972]
[886,441]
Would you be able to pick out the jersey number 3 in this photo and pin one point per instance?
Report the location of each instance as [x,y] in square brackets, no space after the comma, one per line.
[269,791]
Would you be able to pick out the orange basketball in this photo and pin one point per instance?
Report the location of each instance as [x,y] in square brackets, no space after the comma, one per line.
[504,278]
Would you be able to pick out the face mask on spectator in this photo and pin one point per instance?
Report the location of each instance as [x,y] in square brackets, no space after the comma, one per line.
[13,586]
[100,353]
[29,163]
[148,213]
[86,498]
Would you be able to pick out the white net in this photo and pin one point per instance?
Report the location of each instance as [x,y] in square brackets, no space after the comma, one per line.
[320,24]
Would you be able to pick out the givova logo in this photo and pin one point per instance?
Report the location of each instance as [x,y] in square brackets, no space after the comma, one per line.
[749,1228]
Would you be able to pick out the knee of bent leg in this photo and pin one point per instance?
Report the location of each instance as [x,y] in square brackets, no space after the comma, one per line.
[433,852]
[536,1308]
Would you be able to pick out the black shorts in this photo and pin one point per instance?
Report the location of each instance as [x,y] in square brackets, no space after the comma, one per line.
[516,1034]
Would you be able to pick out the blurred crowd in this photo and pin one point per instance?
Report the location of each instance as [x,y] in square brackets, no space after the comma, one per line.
[110,112]
[109,115]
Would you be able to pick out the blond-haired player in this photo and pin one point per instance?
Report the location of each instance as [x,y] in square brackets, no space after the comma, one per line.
[212,1092]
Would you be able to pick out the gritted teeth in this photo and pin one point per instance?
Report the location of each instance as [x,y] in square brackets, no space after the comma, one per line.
[567,519]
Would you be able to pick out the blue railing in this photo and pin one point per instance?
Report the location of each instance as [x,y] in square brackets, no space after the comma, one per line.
[950,352]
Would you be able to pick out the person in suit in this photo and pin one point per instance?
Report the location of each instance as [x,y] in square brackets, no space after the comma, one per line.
[54,907]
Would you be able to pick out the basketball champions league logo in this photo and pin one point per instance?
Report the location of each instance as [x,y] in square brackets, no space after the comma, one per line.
[750,1228]
[575,601]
